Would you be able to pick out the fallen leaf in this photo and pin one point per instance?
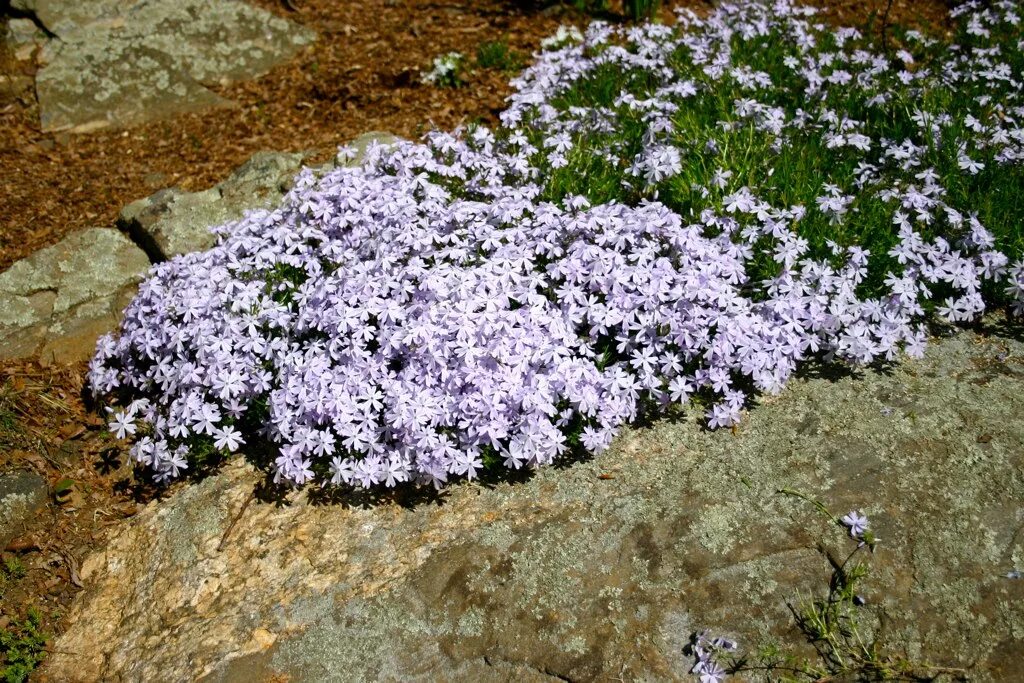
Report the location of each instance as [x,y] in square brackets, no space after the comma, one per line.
[22,544]
[72,431]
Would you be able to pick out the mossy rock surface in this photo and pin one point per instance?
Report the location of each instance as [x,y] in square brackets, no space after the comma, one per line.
[22,496]
[57,302]
[173,222]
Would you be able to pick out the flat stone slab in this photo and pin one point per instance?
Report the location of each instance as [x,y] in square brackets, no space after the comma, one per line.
[172,221]
[22,38]
[123,62]
[22,495]
[57,302]
[603,568]
[134,85]
[64,16]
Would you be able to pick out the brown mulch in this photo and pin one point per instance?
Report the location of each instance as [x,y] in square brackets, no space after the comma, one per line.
[362,74]
[45,428]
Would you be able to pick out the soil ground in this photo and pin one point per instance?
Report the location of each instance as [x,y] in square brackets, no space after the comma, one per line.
[362,74]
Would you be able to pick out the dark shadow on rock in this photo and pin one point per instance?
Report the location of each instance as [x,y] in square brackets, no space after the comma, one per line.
[407,495]
[266,490]
[998,323]
[493,477]
[1002,326]
[831,371]
[572,457]
[8,10]
[836,370]
[140,488]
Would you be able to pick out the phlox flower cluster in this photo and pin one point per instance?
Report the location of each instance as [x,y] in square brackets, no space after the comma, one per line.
[443,307]
[446,70]
[703,115]
[707,651]
[564,34]
[389,332]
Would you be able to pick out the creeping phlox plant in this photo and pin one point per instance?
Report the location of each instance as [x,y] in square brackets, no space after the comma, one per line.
[665,213]
[835,625]
[447,70]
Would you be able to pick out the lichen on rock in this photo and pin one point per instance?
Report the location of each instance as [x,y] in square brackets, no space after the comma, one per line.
[602,568]
[124,62]
[55,303]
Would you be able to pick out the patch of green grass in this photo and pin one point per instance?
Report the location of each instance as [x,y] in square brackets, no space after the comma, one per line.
[14,568]
[8,422]
[497,54]
[449,71]
[640,9]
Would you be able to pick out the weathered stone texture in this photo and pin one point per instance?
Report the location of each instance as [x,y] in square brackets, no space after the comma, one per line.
[605,567]
[22,495]
[55,303]
[123,62]
[172,222]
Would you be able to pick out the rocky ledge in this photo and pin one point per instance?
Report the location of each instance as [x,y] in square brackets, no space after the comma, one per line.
[173,222]
[604,568]
[57,302]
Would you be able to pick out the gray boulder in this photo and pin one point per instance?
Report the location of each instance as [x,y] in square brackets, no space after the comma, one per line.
[172,222]
[22,38]
[122,62]
[57,302]
[600,570]
[64,16]
[22,496]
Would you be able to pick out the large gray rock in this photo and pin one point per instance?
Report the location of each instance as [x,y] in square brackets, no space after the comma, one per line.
[22,38]
[57,302]
[64,16]
[601,569]
[22,495]
[172,222]
[122,62]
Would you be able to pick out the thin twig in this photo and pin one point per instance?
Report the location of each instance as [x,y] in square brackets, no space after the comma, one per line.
[234,520]
[885,26]
[816,503]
